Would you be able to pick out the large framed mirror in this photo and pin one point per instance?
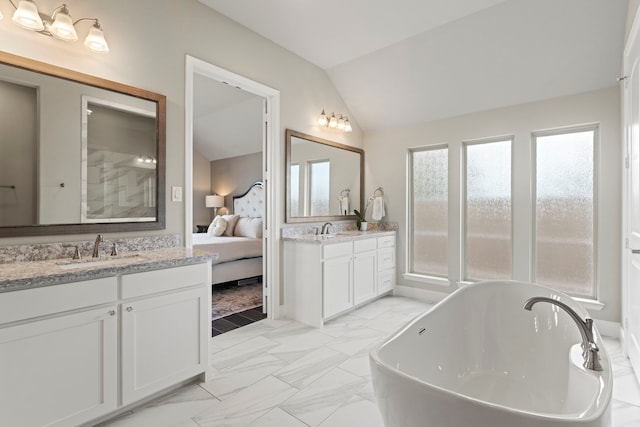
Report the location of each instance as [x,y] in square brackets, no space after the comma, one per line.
[78,154]
[325,179]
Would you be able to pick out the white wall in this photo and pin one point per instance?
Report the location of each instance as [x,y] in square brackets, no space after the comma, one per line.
[149,40]
[386,153]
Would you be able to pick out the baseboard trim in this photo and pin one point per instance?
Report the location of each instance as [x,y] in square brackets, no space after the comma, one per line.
[419,294]
[608,328]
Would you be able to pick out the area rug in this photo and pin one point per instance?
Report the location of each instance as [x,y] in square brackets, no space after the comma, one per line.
[231,299]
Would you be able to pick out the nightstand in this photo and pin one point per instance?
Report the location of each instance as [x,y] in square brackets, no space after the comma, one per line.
[202,228]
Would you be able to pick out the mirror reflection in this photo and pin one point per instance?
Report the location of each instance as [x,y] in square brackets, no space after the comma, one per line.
[324,178]
[77,153]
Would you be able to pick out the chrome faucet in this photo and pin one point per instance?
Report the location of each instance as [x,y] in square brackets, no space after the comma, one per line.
[325,228]
[96,246]
[589,347]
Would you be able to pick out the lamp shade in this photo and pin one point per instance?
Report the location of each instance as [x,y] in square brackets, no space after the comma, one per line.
[62,28]
[26,16]
[95,40]
[214,201]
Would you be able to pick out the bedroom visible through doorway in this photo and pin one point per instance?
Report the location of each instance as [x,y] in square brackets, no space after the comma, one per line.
[229,136]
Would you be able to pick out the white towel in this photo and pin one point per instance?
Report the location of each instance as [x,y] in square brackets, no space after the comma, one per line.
[344,205]
[378,208]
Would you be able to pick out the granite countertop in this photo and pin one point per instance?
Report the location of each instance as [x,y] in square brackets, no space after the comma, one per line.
[341,236]
[34,274]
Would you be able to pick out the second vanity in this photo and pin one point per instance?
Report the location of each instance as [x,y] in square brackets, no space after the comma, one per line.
[80,342]
[328,275]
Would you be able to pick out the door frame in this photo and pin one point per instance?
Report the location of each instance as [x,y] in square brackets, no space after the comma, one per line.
[271,163]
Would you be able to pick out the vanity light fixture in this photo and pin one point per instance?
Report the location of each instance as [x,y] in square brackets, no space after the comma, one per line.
[59,25]
[341,122]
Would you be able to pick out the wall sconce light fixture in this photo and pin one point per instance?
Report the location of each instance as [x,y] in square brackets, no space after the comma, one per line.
[58,25]
[333,122]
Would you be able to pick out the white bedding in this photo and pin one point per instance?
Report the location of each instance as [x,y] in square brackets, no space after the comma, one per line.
[228,248]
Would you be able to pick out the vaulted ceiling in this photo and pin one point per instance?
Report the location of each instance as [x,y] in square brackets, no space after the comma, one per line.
[411,61]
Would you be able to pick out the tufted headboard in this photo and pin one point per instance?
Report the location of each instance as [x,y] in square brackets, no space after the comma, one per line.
[250,203]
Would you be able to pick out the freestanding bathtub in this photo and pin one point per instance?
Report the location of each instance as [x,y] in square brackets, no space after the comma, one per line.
[479,359]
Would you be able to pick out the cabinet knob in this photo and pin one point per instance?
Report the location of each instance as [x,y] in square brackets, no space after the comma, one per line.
[112,312]
[129,308]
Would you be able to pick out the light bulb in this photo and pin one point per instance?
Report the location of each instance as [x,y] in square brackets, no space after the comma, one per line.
[95,40]
[62,27]
[26,16]
[322,120]
[333,122]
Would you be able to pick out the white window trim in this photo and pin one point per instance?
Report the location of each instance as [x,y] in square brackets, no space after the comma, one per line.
[424,278]
[592,301]
[463,200]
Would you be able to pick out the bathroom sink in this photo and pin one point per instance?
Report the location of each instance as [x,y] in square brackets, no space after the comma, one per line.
[93,262]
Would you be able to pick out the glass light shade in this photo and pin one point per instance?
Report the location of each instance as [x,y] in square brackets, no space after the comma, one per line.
[347,125]
[214,201]
[62,28]
[0,15]
[341,123]
[95,40]
[27,17]
[322,120]
[333,122]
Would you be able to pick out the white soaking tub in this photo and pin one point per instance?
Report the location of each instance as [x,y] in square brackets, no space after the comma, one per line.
[478,358]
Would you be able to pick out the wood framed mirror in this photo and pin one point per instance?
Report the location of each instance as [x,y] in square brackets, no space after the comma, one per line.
[78,153]
[325,179]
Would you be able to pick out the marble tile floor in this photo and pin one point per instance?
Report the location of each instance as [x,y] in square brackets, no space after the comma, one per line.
[284,374]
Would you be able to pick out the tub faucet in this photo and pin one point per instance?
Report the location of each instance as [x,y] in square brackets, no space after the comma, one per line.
[96,246]
[325,228]
[589,347]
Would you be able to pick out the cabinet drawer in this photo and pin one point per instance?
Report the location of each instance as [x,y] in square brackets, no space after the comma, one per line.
[386,281]
[386,259]
[337,249]
[364,245]
[387,242]
[150,282]
[20,305]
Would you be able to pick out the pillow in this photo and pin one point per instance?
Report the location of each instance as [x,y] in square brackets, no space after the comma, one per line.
[248,227]
[217,227]
[231,224]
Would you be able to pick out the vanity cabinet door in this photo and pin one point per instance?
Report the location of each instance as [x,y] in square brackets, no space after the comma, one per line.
[59,371]
[364,276]
[337,285]
[164,341]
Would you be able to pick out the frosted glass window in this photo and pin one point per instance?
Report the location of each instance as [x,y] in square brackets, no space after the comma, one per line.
[488,221]
[319,179]
[564,220]
[429,212]
[295,190]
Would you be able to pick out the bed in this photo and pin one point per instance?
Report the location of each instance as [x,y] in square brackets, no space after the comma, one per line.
[239,249]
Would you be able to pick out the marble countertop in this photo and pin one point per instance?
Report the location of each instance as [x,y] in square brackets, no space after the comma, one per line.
[341,236]
[34,274]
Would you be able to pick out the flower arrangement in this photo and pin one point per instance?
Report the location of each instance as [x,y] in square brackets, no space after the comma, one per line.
[360,216]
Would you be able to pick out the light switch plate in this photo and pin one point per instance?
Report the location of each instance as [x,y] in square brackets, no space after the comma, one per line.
[176,194]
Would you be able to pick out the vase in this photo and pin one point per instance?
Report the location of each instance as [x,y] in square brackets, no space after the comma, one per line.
[363,226]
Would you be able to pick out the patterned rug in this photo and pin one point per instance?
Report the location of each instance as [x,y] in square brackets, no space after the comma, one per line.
[230,299]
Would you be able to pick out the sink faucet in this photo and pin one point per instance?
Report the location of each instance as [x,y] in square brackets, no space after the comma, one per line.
[325,228]
[589,347]
[96,246]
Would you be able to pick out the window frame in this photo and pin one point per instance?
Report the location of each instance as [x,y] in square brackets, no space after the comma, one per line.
[463,202]
[595,127]
[433,279]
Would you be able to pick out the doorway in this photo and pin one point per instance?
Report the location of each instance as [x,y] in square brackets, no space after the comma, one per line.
[198,72]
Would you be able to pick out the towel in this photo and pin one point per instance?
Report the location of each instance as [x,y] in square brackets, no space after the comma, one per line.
[378,208]
[344,205]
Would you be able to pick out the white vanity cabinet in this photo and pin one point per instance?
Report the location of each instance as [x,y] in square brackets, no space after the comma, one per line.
[58,358]
[164,328]
[76,352]
[324,278]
